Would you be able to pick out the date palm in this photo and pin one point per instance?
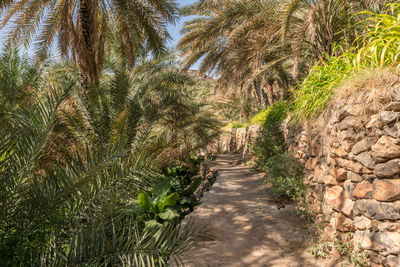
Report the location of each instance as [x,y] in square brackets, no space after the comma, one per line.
[81,28]
[240,40]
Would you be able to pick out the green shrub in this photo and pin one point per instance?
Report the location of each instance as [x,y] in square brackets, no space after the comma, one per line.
[260,117]
[270,141]
[238,125]
[286,177]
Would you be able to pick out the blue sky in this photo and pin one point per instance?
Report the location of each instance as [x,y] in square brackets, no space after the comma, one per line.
[174,29]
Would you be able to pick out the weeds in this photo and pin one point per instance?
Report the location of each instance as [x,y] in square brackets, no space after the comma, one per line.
[320,250]
[355,256]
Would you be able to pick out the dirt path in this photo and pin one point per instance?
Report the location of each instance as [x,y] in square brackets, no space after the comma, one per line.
[249,229]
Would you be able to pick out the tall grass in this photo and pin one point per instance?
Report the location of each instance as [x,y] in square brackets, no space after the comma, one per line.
[379,46]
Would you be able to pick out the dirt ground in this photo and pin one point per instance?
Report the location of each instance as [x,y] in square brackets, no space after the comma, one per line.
[247,226]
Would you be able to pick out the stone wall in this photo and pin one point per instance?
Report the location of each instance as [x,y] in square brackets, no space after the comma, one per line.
[352,157]
[235,140]
[209,175]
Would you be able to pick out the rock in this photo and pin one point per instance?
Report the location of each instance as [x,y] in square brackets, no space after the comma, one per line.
[394,106]
[362,223]
[386,241]
[376,210]
[350,165]
[354,177]
[362,238]
[363,190]
[393,261]
[393,131]
[389,116]
[361,146]
[347,145]
[323,178]
[385,226]
[388,169]
[374,122]
[342,223]
[327,211]
[380,241]
[366,160]
[338,199]
[349,188]
[342,113]
[386,147]
[340,152]
[311,163]
[386,190]
[339,174]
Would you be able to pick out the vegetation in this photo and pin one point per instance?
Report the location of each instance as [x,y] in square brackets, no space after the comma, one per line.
[343,245]
[73,170]
[82,30]
[99,150]
[378,47]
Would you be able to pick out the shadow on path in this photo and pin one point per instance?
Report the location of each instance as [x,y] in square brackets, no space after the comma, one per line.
[248,228]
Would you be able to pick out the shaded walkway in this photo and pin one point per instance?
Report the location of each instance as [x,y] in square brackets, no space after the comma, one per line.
[248,228]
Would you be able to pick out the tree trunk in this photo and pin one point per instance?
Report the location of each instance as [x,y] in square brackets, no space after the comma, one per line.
[270,92]
[89,40]
[259,93]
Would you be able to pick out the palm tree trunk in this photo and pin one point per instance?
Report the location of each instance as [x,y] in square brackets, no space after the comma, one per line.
[259,93]
[88,66]
[270,92]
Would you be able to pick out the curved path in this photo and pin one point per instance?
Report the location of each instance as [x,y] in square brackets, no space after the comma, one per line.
[247,227]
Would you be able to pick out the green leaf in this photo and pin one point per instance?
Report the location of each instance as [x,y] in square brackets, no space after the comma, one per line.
[152,224]
[168,201]
[161,190]
[184,200]
[193,187]
[144,201]
[168,215]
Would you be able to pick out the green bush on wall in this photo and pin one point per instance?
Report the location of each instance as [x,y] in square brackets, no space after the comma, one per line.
[270,141]
[285,173]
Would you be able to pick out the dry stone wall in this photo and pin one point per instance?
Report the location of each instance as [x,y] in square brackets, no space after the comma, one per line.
[235,140]
[352,158]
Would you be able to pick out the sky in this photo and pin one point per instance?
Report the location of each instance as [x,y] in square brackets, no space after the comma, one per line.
[174,29]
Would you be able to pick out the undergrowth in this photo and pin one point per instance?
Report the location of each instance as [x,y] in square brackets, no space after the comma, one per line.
[284,173]
[356,256]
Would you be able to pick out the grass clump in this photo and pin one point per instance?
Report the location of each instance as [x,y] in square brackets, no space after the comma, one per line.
[377,48]
[317,89]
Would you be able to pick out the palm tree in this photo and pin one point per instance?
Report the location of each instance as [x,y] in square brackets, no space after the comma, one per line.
[240,40]
[77,207]
[81,28]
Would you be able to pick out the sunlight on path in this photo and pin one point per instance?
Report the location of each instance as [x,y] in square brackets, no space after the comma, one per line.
[248,228]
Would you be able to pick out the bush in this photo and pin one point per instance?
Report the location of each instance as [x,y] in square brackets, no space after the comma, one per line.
[270,141]
[285,173]
[286,177]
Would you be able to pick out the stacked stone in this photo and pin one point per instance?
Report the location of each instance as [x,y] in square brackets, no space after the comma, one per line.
[209,175]
[235,140]
[353,170]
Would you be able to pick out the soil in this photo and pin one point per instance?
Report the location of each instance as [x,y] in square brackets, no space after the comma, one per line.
[247,227]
